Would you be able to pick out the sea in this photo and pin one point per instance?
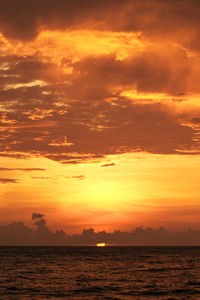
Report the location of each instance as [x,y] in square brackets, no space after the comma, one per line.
[111,272]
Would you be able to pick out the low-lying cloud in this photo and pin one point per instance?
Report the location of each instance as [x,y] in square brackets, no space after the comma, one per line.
[20,234]
[8,180]
[37,216]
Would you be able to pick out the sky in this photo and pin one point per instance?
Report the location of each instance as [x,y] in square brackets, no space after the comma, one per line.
[100,113]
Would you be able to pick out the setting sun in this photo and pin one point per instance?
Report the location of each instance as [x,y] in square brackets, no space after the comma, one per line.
[101,244]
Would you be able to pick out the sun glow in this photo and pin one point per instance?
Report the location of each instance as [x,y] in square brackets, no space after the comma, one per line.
[101,244]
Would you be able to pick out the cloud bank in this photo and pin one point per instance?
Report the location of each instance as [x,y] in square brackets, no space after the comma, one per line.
[18,234]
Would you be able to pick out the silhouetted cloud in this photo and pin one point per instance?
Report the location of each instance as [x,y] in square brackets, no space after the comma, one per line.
[14,155]
[78,177]
[22,169]
[20,234]
[37,216]
[58,177]
[108,165]
[70,162]
[8,180]
[40,177]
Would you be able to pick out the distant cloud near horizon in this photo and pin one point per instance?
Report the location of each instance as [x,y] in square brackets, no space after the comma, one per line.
[18,234]
[8,180]
[37,216]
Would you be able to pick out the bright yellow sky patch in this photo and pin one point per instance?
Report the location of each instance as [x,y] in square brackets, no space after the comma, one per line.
[137,183]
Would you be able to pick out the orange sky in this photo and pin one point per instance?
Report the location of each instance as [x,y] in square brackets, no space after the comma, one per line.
[100,113]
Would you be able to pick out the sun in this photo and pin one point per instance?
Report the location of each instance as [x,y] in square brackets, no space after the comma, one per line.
[101,244]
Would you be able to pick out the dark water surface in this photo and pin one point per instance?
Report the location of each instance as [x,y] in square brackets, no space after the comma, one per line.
[100,273]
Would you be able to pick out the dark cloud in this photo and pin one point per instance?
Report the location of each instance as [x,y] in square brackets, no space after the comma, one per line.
[40,223]
[195,121]
[13,155]
[78,121]
[8,180]
[175,20]
[59,177]
[38,177]
[21,19]
[17,234]
[150,71]
[19,14]
[70,162]
[22,169]
[108,165]
[37,216]
[79,177]
[28,69]
[93,130]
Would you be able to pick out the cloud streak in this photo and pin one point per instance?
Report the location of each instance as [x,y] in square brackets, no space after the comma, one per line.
[21,169]
[8,180]
[108,165]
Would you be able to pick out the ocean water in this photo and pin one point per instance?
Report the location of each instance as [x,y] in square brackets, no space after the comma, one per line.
[100,273]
